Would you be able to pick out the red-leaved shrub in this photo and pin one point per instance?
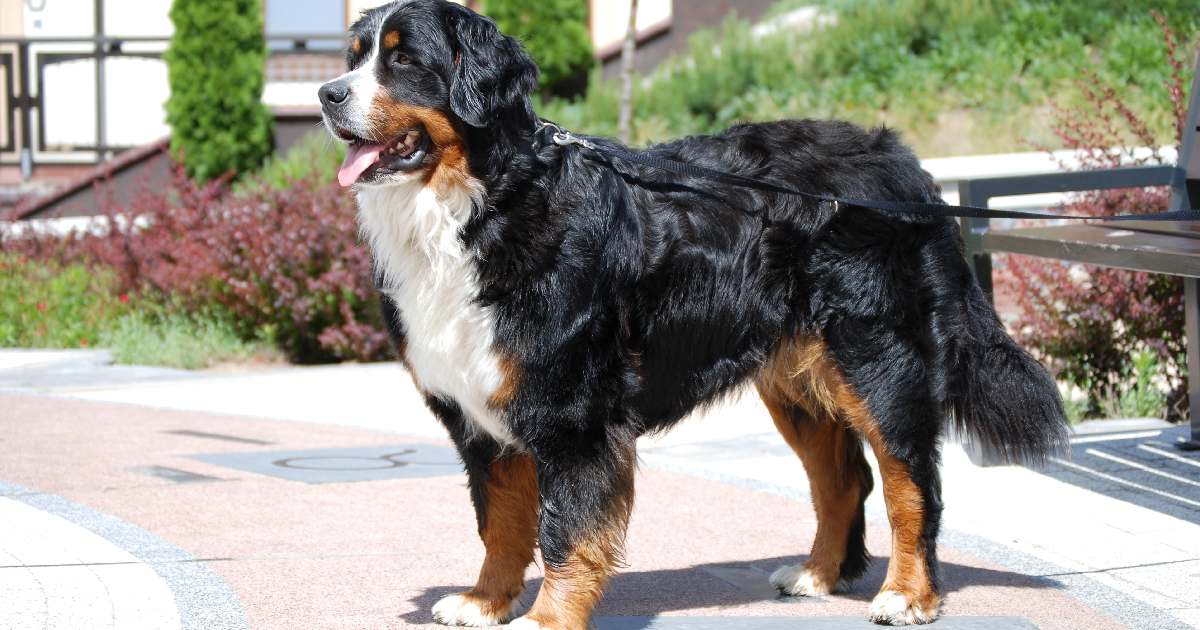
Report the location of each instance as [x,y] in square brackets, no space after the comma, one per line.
[1090,320]
[284,264]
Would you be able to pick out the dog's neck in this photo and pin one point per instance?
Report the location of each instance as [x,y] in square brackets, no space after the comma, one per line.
[502,155]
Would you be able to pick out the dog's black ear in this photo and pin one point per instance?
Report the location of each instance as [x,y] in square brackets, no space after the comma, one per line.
[492,73]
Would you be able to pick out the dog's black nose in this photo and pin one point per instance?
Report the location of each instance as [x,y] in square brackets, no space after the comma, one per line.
[334,93]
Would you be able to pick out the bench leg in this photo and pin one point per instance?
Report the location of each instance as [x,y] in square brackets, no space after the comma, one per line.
[1191,304]
[979,260]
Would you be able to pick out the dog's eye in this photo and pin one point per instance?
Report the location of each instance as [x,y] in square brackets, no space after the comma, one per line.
[402,59]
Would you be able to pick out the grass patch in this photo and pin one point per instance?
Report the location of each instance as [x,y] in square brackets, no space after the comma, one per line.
[1140,398]
[180,341]
[1136,396]
[988,69]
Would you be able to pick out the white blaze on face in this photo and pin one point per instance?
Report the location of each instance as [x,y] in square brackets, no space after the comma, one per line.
[364,85]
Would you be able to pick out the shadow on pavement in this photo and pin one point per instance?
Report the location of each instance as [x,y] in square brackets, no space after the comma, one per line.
[653,593]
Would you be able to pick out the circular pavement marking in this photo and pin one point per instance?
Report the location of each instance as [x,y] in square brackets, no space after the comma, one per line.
[64,565]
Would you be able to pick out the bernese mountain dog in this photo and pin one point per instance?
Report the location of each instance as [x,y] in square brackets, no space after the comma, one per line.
[553,305]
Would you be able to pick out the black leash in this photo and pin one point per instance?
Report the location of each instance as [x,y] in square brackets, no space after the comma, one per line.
[562,138]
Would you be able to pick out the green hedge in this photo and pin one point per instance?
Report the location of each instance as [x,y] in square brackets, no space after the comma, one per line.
[555,33]
[216,63]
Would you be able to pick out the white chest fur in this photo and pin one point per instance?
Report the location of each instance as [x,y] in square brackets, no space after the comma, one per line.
[414,235]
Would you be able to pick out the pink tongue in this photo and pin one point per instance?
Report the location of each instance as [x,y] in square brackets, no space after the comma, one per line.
[359,158]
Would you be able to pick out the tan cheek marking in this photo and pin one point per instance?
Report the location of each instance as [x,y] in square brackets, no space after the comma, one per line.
[448,162]
[391,40]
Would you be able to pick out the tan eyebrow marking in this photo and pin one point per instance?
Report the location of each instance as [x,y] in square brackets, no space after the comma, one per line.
[356,46]
[391,40]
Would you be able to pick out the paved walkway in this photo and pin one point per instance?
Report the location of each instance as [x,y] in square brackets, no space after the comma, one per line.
[328,497]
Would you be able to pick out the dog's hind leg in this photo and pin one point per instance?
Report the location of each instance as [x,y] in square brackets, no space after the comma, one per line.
[803,373]
[911,489]
[908,466]
[840,481]
[506,502]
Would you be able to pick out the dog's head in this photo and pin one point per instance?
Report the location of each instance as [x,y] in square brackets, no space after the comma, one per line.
[421,74]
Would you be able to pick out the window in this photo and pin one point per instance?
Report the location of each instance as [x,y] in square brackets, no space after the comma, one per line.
[306,17]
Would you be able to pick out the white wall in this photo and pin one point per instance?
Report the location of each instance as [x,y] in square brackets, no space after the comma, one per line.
[136,88]
[58,18]
[356,7]
[610,19]
[147,18]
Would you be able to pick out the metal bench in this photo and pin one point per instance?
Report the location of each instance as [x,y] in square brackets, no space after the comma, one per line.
[1158,247]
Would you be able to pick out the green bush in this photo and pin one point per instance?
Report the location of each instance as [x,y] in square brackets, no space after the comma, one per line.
[1142,398]
[555,33]
[48,306]
[1091,324]
[215,65]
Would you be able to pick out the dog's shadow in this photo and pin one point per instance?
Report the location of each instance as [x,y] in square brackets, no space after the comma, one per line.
[653,593]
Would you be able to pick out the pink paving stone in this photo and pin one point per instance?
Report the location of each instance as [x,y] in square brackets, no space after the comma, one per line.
[378,554]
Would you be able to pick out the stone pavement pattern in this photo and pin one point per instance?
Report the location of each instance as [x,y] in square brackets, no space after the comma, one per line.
[720,504]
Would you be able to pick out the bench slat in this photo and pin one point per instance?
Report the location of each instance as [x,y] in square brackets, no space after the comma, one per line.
[1108,245]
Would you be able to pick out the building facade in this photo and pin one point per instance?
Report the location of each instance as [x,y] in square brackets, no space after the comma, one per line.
[59,108]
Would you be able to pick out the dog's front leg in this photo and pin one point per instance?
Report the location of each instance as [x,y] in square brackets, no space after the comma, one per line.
[505,494]
[586,497]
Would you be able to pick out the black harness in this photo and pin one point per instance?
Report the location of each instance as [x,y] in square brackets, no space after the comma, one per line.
[549,133]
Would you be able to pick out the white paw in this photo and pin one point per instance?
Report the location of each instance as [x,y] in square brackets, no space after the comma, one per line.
[797,580]
[892,608]
[457,610]
[525,623]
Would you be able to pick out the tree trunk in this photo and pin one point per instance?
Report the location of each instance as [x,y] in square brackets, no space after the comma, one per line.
[625,124]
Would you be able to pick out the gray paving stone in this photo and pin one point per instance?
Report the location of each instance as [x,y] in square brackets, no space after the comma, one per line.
[204,600]
[218,436]
[749,579]
[794,623]
[339,465]
[175,475]
[86,370]
[1119,425]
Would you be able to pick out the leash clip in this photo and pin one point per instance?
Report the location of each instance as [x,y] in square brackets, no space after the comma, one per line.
[562,137]
[565,138]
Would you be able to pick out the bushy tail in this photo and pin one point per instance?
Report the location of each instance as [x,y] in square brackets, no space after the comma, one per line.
[1004,402]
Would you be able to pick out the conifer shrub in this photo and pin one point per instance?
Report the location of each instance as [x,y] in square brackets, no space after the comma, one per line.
[216,69]
[555,33]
